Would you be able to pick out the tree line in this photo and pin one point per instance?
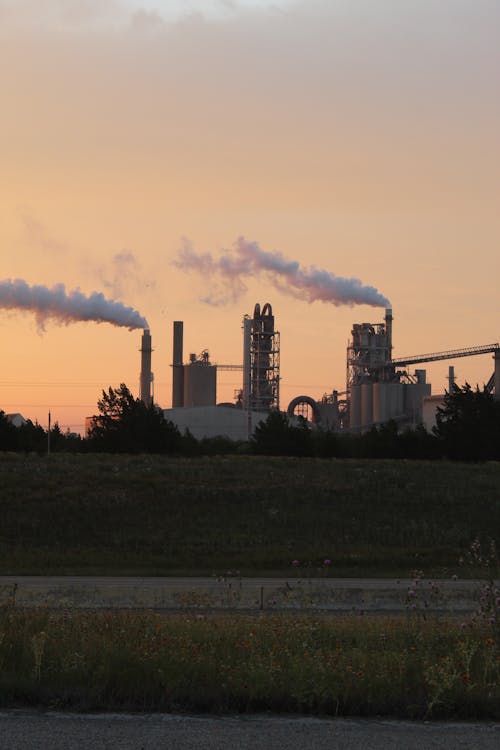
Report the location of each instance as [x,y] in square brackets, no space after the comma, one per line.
[467,429]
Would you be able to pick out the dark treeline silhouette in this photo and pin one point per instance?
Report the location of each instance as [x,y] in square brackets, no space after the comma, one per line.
[467,429]
[32,438]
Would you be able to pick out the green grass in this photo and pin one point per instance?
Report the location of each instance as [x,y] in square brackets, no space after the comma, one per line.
[332,666]
[161,515]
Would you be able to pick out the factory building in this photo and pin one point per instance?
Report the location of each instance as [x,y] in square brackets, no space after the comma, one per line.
[378,390]
[194,385]
[379,387]
[224,420]
[261,361]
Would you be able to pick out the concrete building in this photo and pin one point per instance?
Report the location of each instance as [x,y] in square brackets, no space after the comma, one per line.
[215,421]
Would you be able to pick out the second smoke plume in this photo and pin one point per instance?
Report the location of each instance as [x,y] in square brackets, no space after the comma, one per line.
[247,259]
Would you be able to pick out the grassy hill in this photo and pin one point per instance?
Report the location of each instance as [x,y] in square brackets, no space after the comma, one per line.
[101,514]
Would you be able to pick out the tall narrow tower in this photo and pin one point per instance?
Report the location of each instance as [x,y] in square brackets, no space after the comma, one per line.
[146,376]
[177,365]
[261,361]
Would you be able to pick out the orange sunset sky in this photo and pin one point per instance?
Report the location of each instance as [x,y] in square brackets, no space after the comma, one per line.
[357,136]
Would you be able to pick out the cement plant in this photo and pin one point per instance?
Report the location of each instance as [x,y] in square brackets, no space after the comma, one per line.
[378,387]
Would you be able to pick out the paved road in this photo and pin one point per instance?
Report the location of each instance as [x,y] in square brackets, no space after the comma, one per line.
[336,594]
[22,730]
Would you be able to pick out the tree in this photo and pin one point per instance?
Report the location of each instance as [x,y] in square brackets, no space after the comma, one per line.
[277,437]
[126,425]
[468,424]
[8,434]
[31,437]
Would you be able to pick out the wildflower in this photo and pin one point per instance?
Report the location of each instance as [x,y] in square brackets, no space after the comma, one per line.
[295,563]
[327,562]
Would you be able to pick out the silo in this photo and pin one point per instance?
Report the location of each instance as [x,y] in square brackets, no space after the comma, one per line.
[395,400]
[355,408]
[366,405]
[200,383]
[380,403]
[414,397]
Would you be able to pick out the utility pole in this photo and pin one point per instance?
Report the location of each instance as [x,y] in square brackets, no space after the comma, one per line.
[48,438]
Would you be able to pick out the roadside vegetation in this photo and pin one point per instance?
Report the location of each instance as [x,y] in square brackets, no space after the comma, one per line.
[341,666]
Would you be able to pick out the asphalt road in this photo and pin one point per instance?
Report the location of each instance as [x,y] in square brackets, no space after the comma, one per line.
[23,730]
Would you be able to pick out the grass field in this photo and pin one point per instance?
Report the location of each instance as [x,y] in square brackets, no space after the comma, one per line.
[160,515]
[333,666]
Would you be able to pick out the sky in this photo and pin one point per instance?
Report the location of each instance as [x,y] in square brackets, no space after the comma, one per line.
[357,139]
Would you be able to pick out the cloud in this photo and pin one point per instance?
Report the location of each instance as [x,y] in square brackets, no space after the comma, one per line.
[315,108]
[60,14]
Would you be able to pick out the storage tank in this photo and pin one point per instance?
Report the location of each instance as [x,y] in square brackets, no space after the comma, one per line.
[200,382]
[414,397]
[380,403]
[395,400]
[366,405]
[355,408]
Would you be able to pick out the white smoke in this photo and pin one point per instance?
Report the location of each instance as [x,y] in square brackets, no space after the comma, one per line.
[247,259]
[66,307]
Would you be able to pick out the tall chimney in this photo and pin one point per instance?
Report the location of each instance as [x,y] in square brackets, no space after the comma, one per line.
[145,382]
[388,332]
[177,366]
[496,357]
[451,379]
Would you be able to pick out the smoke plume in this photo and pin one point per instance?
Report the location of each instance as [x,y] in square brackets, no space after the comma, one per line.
[247,259]
[66,307]
[122,273]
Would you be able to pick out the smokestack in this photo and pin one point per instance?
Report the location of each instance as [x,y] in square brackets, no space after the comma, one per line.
[496,357]
[177,366]
[145,383]
[388,332]
[451,378]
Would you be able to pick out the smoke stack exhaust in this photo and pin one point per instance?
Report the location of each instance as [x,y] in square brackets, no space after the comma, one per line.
[228,273]
[145,381]
[177,366]
[66,307]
